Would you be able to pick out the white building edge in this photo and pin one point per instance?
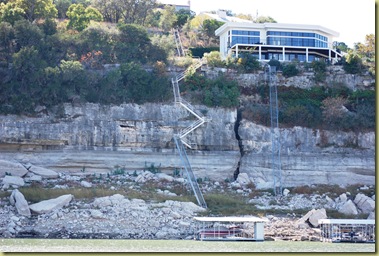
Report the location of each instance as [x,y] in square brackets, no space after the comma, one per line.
[281,41]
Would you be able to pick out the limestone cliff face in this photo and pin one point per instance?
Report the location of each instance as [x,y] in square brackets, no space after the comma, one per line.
[94,138]
[308,156]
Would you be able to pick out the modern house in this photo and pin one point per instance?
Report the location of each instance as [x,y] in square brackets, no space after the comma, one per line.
[280,41]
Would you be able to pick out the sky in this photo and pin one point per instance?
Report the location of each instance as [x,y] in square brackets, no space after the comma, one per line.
[353,20]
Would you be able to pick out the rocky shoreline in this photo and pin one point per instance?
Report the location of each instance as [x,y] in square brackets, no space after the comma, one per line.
[116,216]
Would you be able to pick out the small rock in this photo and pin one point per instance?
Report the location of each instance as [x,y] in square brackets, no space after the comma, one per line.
[285,192]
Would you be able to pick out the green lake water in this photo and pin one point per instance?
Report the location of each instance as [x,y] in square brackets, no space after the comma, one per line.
[187,246]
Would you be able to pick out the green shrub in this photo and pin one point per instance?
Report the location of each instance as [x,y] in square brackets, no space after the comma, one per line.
[214,59]
[352,64]
[222,92]
[248,63]
[275,63]
[290,70]
[200,51]
[319,68]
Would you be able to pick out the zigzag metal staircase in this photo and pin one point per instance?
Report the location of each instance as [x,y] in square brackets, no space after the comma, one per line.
[179,138]
[178,42]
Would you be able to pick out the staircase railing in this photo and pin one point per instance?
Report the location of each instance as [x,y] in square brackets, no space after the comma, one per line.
[178,42]
[191,176]
[180,137]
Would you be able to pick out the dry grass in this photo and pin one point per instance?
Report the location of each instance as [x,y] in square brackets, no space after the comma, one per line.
[226,204]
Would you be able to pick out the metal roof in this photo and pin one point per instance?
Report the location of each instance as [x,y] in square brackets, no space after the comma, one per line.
[346,221]
[230,219]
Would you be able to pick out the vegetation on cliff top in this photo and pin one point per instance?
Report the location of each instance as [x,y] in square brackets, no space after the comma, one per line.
[45,61]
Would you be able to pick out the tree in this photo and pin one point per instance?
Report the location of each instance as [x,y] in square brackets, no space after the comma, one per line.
[183,16]
[135,12]
[110,9]
[26,69]
[49,27]
[164,42]
[99,38]
[62,7]
[27,34]
[245,16]
[152,19]
[73,77]
[265,19]
[11,12]
[7,36]
[353,63]
[367,52]
[80,17]
[142,86]
[133,43]
[209,28]
[168,18]
[38,9]
[340,46]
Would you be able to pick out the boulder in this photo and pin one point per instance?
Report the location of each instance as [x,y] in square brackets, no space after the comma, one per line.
[14,169]
[17,199]
[47,206]
[364,203]
[86,184]
[348,208]
[43,172]
[96,214]
[102,202]
[343,198]
[163,176]
[371,216]
[286,192]
[145,176]
[13,180]
[305,217]
[243,179]
[316,216]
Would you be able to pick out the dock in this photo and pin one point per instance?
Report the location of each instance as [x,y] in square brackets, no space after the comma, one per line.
[347,230]
[230,228]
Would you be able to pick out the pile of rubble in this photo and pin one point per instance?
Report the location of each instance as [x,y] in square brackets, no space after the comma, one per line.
[117,216]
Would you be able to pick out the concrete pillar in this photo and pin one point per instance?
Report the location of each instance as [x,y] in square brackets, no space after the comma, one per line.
[284,54]
[330,55]
[237,51]
[306,54]
[259,231]
[260,53]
